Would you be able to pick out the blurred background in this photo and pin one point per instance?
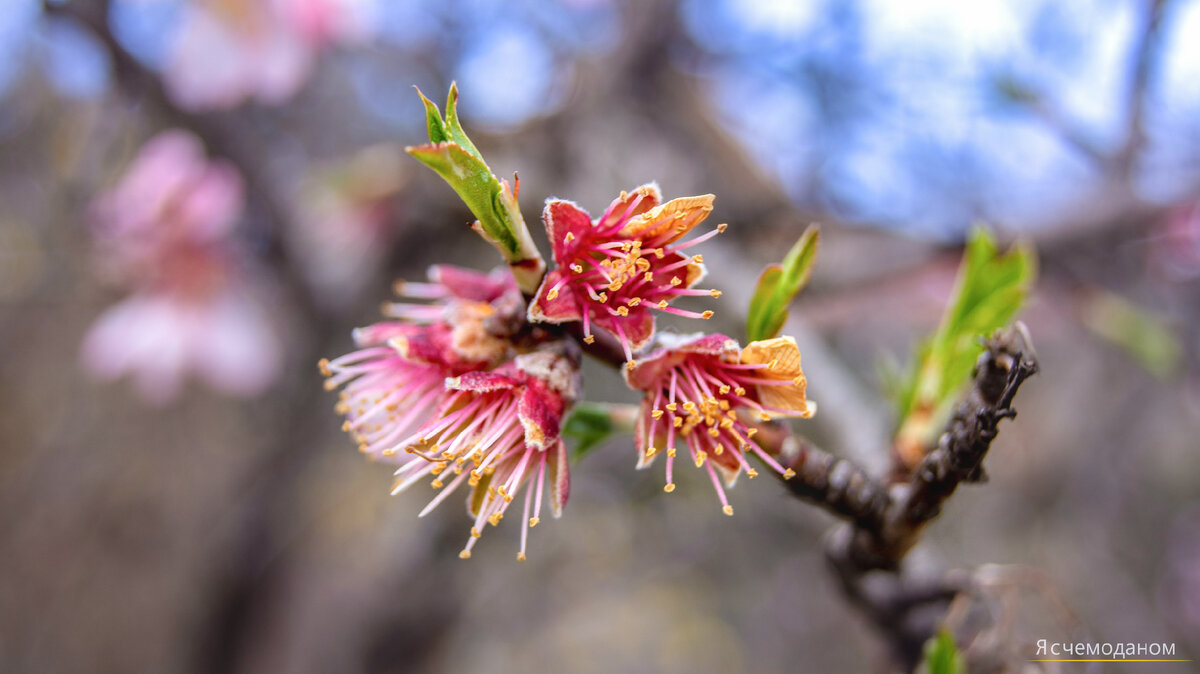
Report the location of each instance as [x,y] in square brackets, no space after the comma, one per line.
[177,495]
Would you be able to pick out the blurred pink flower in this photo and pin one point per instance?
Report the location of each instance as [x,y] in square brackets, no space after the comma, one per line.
[697,390]
[1177,248]
[345,224]
[164,233]
[227,51]
[159,338]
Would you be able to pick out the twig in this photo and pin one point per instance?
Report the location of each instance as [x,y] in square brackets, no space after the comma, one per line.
[885,524]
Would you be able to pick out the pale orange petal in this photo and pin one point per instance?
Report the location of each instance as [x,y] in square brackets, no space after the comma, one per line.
[783,356]
[679,215]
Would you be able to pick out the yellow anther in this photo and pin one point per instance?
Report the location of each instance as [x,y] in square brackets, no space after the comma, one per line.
[533,521]
[521,555]
[706,315]
[622,311]
[569,237]
[436,484]
[324,365]
[789,474]
[553,294]
[662,304]
[697,259]
[651,451]
[722,227]
[670,452]
[700,457]
[739,391]
[714,292]
[657,414]
[669,487]
[728,510]
[751,473]
[675,280]
[475,532]
[589,339]
[648,276]
[577,268]
[671,407]
[724,390]
[465,554]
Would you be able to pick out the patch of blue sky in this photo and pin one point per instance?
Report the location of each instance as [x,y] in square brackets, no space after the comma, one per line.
[146,29]
[512,75]
[75,63]
[18,23]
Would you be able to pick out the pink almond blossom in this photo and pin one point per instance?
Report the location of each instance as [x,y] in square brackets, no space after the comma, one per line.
[698,393]
[615,270]
[164,233]
[228,51]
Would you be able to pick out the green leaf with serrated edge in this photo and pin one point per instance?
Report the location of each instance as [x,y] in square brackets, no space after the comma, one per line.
[990,290]
[778,286]
[942,656]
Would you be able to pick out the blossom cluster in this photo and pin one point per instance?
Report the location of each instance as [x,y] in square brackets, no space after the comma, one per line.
[466,384]
[448,391]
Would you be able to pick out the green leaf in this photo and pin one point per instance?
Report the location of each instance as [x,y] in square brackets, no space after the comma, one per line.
[778,286]
[990,290]
[1140,333]
[452,155]
[476,186]
[587,428]
[942,656]
[590,424]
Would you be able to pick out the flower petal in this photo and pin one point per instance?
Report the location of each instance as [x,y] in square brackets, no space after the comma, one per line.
[783,356]
[471,285]
[630,205]
[568,226]
[560,478]
[638,326]
[670,221]
[481,382]
[540,411]
[563,308]
[641,435]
